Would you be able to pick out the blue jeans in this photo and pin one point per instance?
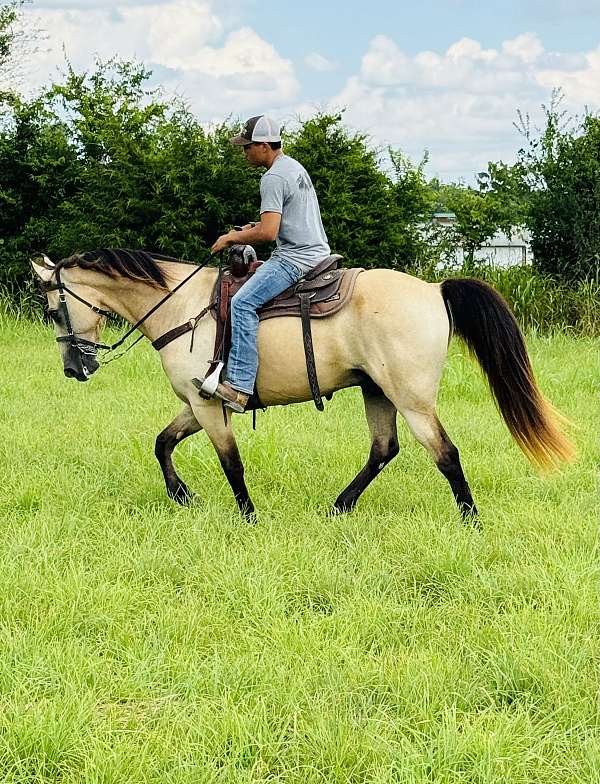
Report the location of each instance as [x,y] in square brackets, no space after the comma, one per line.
[269,280]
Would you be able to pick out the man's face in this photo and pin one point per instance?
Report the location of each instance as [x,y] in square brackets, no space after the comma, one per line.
[257,153]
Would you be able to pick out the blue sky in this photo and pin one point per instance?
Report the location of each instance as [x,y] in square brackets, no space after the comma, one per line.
[343,30]
[443,76]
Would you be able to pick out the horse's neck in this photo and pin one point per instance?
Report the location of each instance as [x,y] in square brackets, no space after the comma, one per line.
[133,299]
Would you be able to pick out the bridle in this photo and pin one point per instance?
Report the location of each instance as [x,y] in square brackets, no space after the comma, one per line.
[90,347]
[72,338]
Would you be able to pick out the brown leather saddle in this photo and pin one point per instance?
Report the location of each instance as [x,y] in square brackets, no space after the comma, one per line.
[320,293]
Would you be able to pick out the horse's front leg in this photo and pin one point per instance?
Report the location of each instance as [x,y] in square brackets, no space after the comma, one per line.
[210,417]
[185,424]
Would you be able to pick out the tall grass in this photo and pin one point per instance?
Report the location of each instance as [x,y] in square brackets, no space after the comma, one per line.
[144,643]
[26,302]
[541,303]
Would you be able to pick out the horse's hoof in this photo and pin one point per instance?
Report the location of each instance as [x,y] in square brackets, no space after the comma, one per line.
[341,508]
[183,496]
[470,517]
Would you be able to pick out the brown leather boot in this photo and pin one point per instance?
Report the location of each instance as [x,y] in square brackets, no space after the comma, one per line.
[233,398]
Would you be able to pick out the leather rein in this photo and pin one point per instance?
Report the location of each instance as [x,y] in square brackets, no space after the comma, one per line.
[90,347]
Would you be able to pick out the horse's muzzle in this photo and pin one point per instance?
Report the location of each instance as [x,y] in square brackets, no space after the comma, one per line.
[79,365]
[79,375]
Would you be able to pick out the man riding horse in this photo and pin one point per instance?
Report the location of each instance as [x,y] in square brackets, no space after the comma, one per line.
[390,338]
[290,215]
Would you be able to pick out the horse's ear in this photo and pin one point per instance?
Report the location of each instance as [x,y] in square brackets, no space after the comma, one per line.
[43,267]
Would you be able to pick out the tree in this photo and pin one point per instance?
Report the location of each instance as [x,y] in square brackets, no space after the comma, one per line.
[17,43]
[101,161]
[369,217]
[555,186]
[564,207]
[414,202]
[37,173]
[479,215]
[150,176]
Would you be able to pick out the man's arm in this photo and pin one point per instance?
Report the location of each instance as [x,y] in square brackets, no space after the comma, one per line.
[266,230]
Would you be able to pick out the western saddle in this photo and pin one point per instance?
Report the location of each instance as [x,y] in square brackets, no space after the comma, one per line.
[322,292]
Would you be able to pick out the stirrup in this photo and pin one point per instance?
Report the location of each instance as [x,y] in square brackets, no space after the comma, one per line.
[208,386]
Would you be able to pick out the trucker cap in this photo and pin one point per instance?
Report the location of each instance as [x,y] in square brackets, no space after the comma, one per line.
[258,129]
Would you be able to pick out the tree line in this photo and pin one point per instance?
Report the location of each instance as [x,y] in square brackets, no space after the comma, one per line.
[101,160]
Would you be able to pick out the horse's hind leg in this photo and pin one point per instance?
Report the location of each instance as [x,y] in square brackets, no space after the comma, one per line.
[185,424]
[381,417]
[428,431]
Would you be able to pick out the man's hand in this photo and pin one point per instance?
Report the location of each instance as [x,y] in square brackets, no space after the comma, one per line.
[224,241]
[265,231]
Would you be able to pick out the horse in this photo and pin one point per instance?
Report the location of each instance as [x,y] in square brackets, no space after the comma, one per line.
[391,340]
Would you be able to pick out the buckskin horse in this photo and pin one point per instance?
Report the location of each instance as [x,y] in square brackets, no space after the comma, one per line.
[391,340]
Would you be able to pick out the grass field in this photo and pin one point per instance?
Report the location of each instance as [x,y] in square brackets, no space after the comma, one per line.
[143,642]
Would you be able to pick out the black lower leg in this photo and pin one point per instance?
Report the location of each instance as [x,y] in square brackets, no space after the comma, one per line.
[381,418]
[163,449]
[382,451]
[448,463]
[234,471]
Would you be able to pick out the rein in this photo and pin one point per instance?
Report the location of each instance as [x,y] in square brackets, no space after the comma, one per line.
[89,346]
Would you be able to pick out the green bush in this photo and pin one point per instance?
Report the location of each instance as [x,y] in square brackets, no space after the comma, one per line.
[564,210]
[541,302]
[101,161]
[555,186]
[370,217]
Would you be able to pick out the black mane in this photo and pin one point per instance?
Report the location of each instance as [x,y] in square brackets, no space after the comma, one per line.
[132,264]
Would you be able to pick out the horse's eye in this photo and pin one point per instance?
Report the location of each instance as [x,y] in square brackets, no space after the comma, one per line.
[54,315]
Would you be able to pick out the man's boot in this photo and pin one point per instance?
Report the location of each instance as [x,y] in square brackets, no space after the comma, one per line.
[233,399]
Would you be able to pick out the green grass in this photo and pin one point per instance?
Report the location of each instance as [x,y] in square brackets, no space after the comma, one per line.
[540,302]
[143,642]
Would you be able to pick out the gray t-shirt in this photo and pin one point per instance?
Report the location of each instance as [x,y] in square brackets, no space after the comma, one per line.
[287,189]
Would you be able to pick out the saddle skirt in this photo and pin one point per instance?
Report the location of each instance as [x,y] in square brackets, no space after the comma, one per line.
[328,287]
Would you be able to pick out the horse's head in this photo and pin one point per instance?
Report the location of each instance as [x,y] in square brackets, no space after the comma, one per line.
[77,321]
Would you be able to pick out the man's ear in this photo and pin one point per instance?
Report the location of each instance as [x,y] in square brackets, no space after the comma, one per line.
[43,267]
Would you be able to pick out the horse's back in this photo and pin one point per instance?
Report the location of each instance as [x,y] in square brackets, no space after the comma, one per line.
[402,305]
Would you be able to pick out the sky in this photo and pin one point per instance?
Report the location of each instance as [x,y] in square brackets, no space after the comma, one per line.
[446,76]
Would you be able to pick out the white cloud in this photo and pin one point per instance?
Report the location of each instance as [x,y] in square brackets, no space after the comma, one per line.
[245,74]
[470,51]
[461,104]
[183,40]
[526,47]
[317,62]
[580,81]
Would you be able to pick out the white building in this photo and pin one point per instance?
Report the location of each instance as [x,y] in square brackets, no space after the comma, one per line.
[500,250]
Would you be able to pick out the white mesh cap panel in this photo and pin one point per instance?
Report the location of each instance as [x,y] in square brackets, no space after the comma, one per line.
[266,130]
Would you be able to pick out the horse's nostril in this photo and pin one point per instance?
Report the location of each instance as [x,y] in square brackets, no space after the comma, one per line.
[70,373]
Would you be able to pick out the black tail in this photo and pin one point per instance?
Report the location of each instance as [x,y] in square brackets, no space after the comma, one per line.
[482,318]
